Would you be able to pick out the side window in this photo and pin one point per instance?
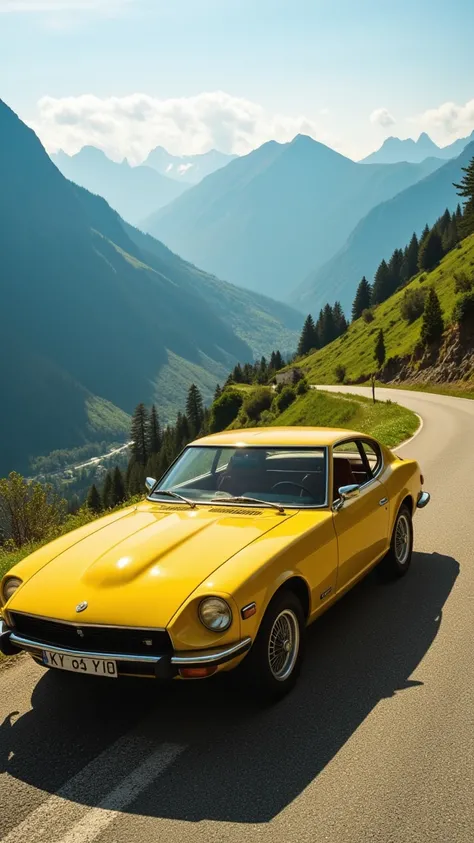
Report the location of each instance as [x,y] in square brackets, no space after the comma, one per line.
[346,466]
[373,455]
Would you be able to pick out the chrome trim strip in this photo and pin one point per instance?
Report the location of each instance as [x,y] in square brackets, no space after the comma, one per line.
[213,656]
[89,625]
[216,656]
[27,644]
[423,499]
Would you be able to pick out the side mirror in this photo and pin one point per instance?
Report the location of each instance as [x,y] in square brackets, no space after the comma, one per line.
[149,483]
[346,493]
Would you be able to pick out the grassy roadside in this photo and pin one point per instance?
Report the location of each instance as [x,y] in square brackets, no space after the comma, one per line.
[385,420]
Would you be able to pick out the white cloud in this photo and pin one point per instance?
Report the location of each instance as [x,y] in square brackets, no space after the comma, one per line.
[17,6]
[132,125]
[382,117]
[452,119]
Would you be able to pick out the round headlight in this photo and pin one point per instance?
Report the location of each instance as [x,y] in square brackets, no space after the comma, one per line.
[9,587]
[215,614]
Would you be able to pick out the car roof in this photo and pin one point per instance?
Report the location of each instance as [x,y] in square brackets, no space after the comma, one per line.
[304,437]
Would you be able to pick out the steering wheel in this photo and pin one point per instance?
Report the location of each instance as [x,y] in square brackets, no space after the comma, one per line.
[292,483]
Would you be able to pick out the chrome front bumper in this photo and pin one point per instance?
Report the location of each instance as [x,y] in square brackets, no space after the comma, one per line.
[165,667]
[423,499]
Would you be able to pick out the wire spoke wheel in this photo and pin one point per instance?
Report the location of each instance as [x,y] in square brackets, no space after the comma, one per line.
[283,644]
[402,540]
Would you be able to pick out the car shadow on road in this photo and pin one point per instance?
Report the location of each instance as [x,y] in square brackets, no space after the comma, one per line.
[241,763]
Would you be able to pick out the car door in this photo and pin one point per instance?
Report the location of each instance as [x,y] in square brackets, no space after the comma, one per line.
[362,522]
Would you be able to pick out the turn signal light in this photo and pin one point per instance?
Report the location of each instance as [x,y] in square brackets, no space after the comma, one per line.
[196,672]
[248,611]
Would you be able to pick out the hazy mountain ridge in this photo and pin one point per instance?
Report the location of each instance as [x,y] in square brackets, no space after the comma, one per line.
[386,227]
[190,169]
[266,219]
[134,192]
[97,320]
[394,150]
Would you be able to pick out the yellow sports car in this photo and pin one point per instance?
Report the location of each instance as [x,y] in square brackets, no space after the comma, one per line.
[249,536]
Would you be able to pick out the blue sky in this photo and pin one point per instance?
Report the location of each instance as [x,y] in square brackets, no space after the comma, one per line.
[130,74]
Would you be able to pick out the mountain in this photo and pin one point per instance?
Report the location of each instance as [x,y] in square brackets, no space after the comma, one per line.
[135,192]
[264,220]
[189,169]
[394,150]
[97,317]
[354,351]
[386,227]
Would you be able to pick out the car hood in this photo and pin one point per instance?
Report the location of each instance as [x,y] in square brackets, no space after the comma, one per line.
[139,569]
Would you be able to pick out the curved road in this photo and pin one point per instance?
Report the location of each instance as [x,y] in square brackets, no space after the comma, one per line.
[375,744]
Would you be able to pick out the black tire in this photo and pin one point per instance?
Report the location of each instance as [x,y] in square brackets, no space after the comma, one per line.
[398,559]
[259,669]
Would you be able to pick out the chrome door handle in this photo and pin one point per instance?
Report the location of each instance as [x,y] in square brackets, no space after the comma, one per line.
[383,501]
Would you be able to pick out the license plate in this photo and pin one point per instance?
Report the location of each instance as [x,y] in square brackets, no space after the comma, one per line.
[77,664]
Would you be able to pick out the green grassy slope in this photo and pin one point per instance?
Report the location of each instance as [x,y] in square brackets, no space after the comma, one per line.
[388,422]
[355,349]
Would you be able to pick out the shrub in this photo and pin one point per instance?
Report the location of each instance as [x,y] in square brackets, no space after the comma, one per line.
[225,410]
[368,315]
[412,305]
[259,400]
[29,512]
[340,373]
[462,282]
[303,387]
[285,398]
[422,278]
[464,307]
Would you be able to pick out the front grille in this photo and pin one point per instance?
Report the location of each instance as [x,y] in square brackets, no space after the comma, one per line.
[97,639]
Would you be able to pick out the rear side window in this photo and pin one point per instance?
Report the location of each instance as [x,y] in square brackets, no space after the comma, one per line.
[374,456]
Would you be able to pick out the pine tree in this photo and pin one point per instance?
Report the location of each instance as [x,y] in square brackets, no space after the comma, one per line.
[379,351]
[117,492]
[217,392]
[107,491]
[307,339]
[409,266]
[339,319]
[94,501]
[154,432]
[395,268]
[424,234]
[135,479]
[466,190]
[183,433]
[237,375]
[362,299]
[139,435]
[279,362]
[327,330]
[443,223]
[194,411]
[383,286]
[431,251]
[450,236]
[432,326]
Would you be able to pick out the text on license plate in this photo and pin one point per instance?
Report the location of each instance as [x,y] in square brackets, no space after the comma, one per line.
[77,664]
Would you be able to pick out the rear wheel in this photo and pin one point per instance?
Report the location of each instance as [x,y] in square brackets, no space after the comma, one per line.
[398,559]
[274,662]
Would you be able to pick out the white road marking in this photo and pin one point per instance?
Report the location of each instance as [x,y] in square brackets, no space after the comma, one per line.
[65,809]
[97,819]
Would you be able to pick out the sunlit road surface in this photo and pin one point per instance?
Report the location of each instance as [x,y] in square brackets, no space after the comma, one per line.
[375,744]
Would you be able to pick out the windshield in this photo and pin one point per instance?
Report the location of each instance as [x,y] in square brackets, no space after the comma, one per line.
[294,477]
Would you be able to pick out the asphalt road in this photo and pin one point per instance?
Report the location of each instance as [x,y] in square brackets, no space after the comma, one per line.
[375,744]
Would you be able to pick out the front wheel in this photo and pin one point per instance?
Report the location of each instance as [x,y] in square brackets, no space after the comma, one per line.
[274,662]
[397,561]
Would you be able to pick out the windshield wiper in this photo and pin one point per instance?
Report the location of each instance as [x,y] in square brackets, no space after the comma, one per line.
[244,499]
[174,495]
